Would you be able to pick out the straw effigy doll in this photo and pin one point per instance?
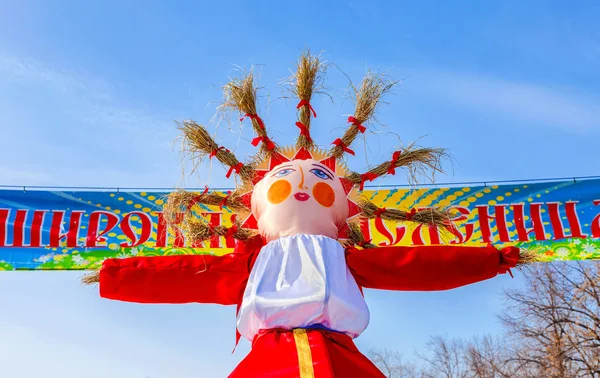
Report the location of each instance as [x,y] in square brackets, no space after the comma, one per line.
[300,262]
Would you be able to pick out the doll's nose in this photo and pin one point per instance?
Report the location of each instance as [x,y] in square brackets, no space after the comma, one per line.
[302,186]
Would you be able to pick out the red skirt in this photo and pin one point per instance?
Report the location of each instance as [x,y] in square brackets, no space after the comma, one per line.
[305,353]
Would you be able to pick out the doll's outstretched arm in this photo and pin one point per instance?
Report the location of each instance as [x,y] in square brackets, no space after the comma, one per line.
[175,279]
[428,268]
[179,279]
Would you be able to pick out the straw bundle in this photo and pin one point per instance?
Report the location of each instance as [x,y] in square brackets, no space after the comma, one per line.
[367,98]
[200,144]
[304,82]
[240,95]
[530,256]
[418,161]
[429,216]
[182,201]
[356,236]
[91,278]
[197,231]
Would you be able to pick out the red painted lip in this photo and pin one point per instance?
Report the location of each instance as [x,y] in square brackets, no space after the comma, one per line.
[300,196]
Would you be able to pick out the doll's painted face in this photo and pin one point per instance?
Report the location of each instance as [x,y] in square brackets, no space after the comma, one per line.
[299,197]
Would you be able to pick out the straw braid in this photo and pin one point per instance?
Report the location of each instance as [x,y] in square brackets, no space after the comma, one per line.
[308,76]
[367,98]
[416,160]
[240,94]
[180,203]
[429,216]
[356,236]
[197,230]
[200,143]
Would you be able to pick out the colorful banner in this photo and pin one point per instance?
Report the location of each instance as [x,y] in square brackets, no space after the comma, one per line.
[78,230]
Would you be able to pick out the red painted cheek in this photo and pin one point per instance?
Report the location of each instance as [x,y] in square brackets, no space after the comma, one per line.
[279,191]
[324,194]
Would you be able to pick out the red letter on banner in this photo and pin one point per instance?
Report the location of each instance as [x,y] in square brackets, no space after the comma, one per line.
[72,235]
[536,220]
[469,227]
[19,228]
[35,236]
[3,226]
[130,233]
[417,236]
[161,231]
[95,236]
[573,219]
[400,232]
[595,222]
[485,220]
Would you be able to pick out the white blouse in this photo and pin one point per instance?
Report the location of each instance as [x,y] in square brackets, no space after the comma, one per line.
[301,281]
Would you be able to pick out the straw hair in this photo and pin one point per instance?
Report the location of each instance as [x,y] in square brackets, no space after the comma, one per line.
[304,83]
[180,204]
[356,236]
[197,231]
[240,95]
[367,98]
[182,209]
[529,256]
[199,144]
[91,278]
[417,161]
[429,216]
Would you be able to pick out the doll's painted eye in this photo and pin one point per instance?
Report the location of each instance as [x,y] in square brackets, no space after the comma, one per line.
[283,172]
[320,173]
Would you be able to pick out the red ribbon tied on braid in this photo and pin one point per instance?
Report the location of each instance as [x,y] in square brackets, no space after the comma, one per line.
[304,130]
[363,243]
[237,168]
[196,199]
[231,231]
[395,158]
[509,257]
[410,214]
[340,143]
[379,211]
[224,201]
[366,177]
[306,103]
[360,127]
[254,117]
[267,142]
[213,153]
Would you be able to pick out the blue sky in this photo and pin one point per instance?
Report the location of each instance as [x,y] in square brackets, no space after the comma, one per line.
[89,92]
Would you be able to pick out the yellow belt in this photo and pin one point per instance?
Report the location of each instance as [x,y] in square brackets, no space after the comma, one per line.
[304,355]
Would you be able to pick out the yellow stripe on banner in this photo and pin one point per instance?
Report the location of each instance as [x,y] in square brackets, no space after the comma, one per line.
[304,356]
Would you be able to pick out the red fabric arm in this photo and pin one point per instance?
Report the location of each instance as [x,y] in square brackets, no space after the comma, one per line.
[175,279]
[428,268]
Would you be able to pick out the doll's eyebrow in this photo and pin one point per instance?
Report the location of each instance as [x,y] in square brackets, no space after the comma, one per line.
[280,168]
[327,171]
